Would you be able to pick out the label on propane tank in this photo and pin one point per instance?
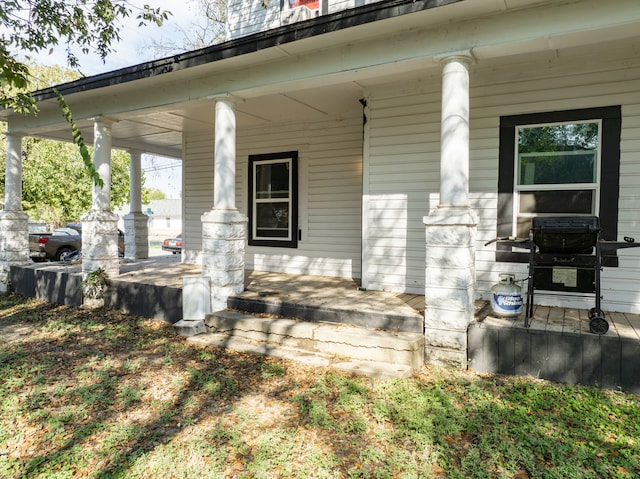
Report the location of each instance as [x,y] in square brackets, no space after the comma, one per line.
[506,304]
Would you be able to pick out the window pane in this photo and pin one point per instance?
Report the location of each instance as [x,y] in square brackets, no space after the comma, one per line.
[554,168]
[578,202]
[557,154]
[272,180]
[272,220]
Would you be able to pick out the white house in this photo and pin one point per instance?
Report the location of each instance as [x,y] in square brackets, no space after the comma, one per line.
[164,217]
[384,140]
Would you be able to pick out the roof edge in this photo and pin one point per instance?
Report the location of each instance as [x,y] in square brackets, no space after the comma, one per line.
[249,44]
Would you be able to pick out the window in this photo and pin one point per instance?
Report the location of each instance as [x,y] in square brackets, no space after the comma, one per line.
[556,171]
[273,200]
[557,164]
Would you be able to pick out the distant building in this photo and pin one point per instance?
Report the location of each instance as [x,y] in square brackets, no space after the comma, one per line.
[165,217]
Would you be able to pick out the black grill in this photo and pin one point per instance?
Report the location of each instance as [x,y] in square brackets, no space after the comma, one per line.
[568,242]
[560,235]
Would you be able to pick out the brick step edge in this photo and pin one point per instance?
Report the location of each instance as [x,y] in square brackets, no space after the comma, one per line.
[373,369]
[342,340]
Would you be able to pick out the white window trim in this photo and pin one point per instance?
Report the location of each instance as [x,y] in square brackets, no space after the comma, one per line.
[517,188]
[288,200]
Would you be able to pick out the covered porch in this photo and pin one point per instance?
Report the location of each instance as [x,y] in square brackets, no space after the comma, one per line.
[557,346]
[396,153]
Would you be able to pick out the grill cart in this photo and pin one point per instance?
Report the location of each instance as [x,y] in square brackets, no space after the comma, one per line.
[567,243]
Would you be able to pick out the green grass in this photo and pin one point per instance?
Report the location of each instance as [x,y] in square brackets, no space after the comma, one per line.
[101,394]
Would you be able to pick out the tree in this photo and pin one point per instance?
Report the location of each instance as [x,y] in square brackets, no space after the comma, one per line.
[55,186]
[57,189]
[153,194]
[208,29]
[32,26]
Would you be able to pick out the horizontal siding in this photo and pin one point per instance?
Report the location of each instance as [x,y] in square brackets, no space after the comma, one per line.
[330,195]
[339,5]
[246,17]
[197,191]
[402,165]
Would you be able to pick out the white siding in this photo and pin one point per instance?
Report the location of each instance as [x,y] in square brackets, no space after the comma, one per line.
[197,191]
[338,5]
[402,165]
[401,169]
[246,17]
[330,194]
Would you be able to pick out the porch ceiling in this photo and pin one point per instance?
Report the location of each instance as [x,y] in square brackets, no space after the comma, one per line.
[159,130]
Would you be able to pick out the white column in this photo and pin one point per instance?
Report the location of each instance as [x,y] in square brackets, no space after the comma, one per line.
[102,162]
[450,229]
[13,180]
[454,133]
[100,224]
[14,223]
[224,180]
[135,181]
[136,223]
[224,228]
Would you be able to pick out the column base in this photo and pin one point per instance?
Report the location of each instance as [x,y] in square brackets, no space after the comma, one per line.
[223,241]
[136,236]
[100,242]
[14,244]
[449,284]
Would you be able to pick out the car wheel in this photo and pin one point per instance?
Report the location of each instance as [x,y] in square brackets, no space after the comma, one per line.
[62,252]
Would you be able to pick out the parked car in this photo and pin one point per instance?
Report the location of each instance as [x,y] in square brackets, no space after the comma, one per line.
[173,244]
[56,245]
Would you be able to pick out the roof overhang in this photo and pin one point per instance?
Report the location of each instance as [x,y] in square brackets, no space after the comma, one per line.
[319,68]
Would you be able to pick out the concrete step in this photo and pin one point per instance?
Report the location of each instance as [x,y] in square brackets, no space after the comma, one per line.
[366,368]
[189,327]
[367,351]
[366,315]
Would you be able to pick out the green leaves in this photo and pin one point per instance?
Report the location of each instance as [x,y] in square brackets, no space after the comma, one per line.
[30,26]
[79,141]
[152,15]
[14,80]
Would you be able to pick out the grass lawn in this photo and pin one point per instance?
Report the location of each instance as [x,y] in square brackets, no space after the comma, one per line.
[106,395]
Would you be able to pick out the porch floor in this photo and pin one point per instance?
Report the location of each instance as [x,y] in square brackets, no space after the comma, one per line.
[343,294]
[562,321]
[336,297]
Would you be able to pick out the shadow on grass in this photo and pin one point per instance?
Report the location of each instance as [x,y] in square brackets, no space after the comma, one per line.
[103,394]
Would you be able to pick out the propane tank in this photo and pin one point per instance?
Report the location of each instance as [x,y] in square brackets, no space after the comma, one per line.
[506,297]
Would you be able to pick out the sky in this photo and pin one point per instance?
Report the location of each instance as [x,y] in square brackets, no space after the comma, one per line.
[161,173]
[133,46]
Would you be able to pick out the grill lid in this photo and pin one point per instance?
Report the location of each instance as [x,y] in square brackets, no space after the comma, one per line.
[565,235]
